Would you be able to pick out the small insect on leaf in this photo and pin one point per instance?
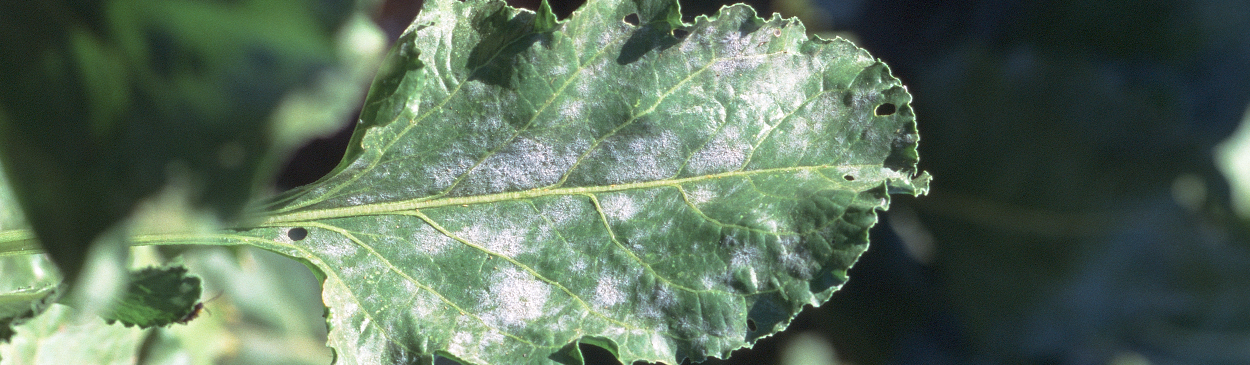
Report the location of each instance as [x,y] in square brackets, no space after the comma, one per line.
[195,310]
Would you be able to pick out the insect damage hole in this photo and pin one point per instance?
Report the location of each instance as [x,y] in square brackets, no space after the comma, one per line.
[297,233]
[848,177]
[885,109]
[751,325]
[680,33]
[632,19]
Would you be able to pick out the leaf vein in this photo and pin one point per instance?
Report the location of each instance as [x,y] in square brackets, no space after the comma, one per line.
[527,268]
[602,217]
[699,211]
[347,234]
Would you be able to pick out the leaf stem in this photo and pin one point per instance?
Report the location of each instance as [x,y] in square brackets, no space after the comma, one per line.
[16,242]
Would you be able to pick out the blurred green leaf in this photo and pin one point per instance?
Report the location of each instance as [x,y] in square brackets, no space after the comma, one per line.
[107,102]
[15,236]
[20,305]
[28,283]
[60,336]
[157,296]
[321,109]
[808,349]
[10,211]
[260,308]
[511,192]
[1233,158]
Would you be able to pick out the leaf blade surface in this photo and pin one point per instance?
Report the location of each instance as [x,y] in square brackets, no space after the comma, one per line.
[513,190]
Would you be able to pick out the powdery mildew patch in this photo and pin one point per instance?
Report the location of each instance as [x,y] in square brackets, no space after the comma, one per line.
[607,293]
[427,240]
[718,155]
[619,207]
[513,299]
[524,164]
[569,212]
[653,157]
[508,238]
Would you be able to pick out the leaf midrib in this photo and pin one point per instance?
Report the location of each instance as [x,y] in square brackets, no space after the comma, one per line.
[390,208]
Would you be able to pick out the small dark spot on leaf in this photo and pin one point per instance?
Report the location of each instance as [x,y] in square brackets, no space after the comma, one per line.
[848,177]
[680,33]
[751,325]
[632,19]
[886,109]
[297,233]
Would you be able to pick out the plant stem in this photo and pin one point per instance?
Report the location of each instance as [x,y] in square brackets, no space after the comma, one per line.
[18,242]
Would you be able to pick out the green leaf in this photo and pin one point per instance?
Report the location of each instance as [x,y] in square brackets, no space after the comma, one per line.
[157,296]
[679,202]
[510,193]
[545,20]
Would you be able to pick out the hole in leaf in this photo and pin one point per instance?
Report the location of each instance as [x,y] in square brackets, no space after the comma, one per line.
[632,19]
[563,8]
[751,325]
[597,355]
[680,33]
[297,233]
[886,109]
[848,178]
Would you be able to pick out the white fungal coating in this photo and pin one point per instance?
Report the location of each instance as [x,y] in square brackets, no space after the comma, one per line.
[514,298]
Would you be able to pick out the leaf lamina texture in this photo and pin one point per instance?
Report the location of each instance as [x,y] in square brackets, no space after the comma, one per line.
[518,185]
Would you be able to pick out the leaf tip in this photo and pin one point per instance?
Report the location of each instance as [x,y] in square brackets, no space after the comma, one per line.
[545,19]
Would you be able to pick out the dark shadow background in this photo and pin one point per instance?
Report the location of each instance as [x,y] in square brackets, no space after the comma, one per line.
[1076,216]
